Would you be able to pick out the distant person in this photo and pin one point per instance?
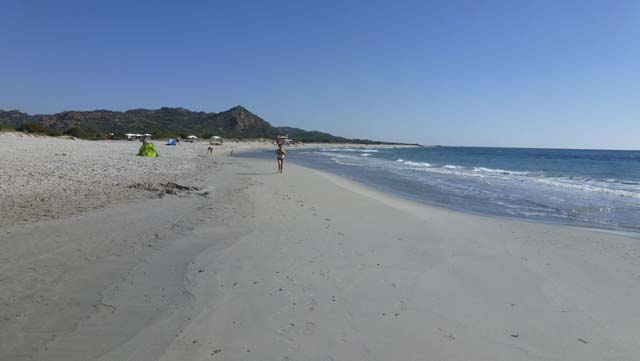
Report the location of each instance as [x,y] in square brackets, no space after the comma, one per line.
[210,149]
[177,141]
[281,153]
[231,154]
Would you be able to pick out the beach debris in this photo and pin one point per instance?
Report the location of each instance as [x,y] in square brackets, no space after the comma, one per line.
[101,307]
[195,341]
[200,270]
[162,188]
[583,341]
[515,335]
[448,335]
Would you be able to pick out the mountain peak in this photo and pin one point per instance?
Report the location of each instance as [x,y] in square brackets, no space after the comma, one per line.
[237,122]
[239,109]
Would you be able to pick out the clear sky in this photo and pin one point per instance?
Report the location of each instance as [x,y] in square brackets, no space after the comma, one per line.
[489,73]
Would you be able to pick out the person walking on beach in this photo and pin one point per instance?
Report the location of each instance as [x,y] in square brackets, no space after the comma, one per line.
[281,154]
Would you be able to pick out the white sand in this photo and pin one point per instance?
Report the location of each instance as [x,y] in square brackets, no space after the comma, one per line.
[44,177]
[308,266]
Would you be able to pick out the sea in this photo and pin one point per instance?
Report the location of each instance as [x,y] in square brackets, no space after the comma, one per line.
[587,188]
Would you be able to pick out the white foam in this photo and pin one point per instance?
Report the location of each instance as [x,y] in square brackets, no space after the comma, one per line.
[348,163]
[417,164]
[606,186]
[360,150]
[572,184]
[335,155]
[499,171]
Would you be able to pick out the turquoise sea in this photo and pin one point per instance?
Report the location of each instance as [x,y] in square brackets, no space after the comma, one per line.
[592,188]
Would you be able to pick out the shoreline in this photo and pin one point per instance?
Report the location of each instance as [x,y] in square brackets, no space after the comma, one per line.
[311,265]
[356,186]
[599,227]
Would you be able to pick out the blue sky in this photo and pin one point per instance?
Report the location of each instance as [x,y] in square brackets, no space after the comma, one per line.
[488,73]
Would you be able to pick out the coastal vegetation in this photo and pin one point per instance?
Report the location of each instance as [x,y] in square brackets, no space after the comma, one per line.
[38,129]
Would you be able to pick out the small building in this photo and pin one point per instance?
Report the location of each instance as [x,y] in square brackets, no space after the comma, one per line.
[133,136]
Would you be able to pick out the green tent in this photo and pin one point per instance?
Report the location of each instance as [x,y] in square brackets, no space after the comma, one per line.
[148,150]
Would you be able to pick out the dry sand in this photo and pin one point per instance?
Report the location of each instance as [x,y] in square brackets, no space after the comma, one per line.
[309,266]
[44,177]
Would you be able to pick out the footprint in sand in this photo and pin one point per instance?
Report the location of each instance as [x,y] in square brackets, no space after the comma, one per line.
[342,337]
[312,304]
[402,305]
[309,328]
[448,335]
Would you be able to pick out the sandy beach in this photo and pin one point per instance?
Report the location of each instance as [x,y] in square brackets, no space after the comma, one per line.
[251,265]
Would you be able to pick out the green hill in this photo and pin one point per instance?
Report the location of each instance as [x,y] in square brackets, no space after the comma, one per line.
[236,122]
